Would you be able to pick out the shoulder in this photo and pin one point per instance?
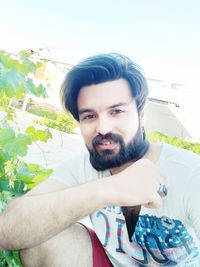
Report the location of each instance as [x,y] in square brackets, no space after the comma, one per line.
[180,156]
[179,162]
[76,170]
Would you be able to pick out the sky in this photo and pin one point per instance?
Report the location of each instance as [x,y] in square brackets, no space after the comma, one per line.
[163,36]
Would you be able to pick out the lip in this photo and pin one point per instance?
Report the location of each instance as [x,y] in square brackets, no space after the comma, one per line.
[106,146]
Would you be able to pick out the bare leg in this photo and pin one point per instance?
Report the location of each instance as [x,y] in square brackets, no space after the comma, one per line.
[70,248]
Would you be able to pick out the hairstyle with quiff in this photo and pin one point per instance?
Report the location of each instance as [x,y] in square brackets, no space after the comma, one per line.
[99,69]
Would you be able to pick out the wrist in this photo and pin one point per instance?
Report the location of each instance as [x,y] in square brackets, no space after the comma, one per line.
[108,190]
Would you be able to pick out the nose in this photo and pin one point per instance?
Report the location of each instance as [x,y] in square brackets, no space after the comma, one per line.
[103,126]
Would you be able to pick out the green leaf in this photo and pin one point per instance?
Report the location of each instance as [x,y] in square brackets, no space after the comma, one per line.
[11,259]
[19,188]
[5,198]
[2,71]
[39,64]
[4,185]
[27,180]
[3,155]
[38,135]
[13,77]
[20,92]
[41,91]
[31,67]
[22,171]
[14,145]
[10,116]
[9,90]
[3,85]
[29,86]
[34,168]
[6,134]
[17,259]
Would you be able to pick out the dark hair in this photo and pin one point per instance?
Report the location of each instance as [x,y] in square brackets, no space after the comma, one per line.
[99,69]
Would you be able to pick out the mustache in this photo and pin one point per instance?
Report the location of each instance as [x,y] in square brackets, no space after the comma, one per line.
[109,136]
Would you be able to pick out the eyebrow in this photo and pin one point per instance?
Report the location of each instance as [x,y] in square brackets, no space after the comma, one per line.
[87,110]
[119,105]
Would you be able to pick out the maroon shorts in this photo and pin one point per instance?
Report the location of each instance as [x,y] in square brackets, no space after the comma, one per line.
[100,259]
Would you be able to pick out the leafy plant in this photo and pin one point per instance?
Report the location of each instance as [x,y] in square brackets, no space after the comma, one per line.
[10,258]
[64,122]
[157,136]
[16,74]
[17,176]
[43,113]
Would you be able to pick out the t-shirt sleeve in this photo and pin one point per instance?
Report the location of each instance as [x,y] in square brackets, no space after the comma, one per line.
[192,201]
[75,170]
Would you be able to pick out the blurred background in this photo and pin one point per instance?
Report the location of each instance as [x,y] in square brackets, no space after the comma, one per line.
[161,36]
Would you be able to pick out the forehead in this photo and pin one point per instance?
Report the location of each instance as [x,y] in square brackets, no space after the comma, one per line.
[104,95]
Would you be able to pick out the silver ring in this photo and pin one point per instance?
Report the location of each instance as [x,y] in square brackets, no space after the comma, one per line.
[162,191]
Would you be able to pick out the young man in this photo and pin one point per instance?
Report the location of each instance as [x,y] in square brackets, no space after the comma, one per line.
[120,183]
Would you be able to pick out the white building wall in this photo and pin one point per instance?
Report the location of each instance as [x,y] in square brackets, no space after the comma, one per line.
[172,120]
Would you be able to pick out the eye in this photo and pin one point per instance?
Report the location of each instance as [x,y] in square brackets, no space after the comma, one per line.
[88,117]
[117,111]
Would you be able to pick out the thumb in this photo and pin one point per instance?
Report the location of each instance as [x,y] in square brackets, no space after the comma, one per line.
[156,202]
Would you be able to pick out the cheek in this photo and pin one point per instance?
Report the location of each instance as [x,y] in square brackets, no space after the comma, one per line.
[87,134]
[129,129]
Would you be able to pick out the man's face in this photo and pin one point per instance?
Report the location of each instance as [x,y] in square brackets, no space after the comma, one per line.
[109,123]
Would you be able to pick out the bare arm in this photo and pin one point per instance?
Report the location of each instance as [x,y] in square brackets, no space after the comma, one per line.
[49,209]
[38,216]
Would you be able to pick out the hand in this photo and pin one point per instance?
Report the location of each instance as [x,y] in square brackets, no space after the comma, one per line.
[138,184]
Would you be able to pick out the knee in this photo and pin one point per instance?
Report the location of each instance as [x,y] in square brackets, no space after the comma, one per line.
[71,247]
[31,257]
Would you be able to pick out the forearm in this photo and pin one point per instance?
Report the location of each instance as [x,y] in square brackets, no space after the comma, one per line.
[29,221]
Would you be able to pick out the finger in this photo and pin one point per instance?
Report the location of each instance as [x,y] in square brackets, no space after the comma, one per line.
[156,202]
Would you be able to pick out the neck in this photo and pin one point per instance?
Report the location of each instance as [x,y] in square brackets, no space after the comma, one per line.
[153,154]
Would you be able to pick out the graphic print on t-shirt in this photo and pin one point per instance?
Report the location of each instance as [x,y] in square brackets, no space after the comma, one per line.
[163,241]
[157,241]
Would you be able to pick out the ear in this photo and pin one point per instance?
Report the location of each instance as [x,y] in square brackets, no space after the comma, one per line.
[141,117]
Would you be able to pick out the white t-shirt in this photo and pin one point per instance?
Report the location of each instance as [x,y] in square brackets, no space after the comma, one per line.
[166,236]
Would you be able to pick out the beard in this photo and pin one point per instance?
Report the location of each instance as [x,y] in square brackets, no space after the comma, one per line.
[109,158]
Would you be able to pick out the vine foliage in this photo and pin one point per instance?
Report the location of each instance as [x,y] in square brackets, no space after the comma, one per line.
[17,176]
